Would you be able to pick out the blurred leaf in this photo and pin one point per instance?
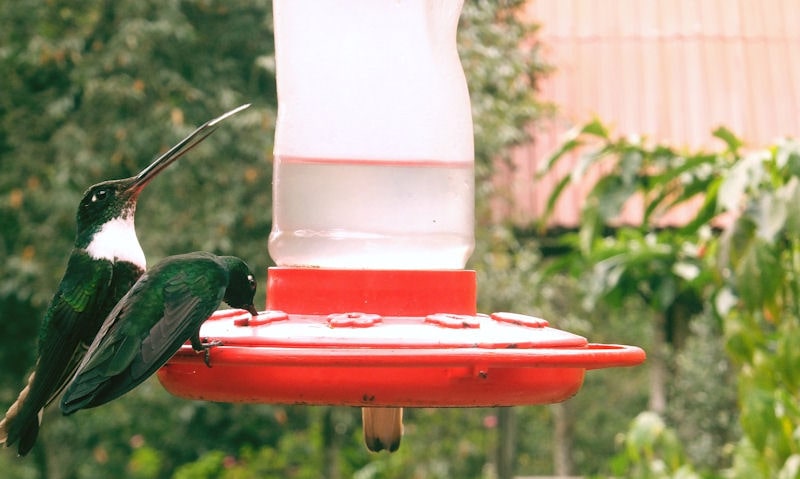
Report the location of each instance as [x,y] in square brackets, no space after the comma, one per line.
[760,276]
[743,175]
[145,463]
[209,466]
[686,270]
[566,148]
[653,450]
[758,417]
[724,301]
[706,212]
[595,128]
[609,194]
[553,198]
[731,141]
[791,468]
[630,164]
[587,159]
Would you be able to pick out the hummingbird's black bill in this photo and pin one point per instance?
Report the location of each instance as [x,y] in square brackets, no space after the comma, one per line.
[197,136]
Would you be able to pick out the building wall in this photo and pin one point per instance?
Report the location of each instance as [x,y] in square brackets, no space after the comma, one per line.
[668,70]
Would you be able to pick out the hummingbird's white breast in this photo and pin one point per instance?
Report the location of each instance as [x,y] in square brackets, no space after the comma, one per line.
[117,241]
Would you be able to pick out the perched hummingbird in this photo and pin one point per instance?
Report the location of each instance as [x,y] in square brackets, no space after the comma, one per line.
[383,427]
[105,262]
[163,310]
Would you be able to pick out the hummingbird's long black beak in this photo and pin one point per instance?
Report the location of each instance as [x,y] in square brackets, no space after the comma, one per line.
[251,309]
[163,161]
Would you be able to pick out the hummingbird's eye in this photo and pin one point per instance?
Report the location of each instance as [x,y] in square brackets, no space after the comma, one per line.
[252,281]
[99,195]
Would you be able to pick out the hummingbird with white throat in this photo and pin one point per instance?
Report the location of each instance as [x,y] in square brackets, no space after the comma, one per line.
[104,264]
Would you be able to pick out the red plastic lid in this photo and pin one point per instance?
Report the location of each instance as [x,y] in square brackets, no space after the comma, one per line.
[385,338]
[369,360]
[387,292]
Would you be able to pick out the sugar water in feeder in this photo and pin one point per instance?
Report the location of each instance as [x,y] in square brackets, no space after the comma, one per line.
[373,144]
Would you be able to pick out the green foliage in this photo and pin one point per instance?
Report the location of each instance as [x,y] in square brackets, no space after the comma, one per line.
[513,276]
[656,264]
[502,78]
[95,90]
[760,301]
[462,447]
[209,466]
[264,463]
[92,91]
[703,396]
[653,451]
[145,463]
[748,272]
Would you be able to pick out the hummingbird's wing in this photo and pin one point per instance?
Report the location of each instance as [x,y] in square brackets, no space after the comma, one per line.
[68,331]
[188,303]
[144,330]
[70,319]
[111,350]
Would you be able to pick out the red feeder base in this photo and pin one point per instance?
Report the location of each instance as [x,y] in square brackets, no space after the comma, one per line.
[377,338]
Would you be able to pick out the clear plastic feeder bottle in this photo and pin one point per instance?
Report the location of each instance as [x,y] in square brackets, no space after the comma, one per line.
[373,145]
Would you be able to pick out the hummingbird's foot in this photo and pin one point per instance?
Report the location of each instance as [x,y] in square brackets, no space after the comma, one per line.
[207,345]
[204,345]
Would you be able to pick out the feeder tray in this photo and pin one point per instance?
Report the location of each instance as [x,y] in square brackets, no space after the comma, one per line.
[385,338]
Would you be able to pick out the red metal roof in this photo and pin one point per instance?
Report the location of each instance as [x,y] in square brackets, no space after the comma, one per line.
[669,70]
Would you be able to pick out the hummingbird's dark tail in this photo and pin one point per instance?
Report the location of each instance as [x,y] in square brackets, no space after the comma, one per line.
[20,425]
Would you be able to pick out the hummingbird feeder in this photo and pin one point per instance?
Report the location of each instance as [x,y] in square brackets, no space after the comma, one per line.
[373,224]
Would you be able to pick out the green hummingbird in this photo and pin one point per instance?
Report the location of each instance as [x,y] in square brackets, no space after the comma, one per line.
[163,310]
[105,262]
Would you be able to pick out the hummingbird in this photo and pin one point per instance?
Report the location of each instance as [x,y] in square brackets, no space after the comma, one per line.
[383,427]
[163,310]
[105,262]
